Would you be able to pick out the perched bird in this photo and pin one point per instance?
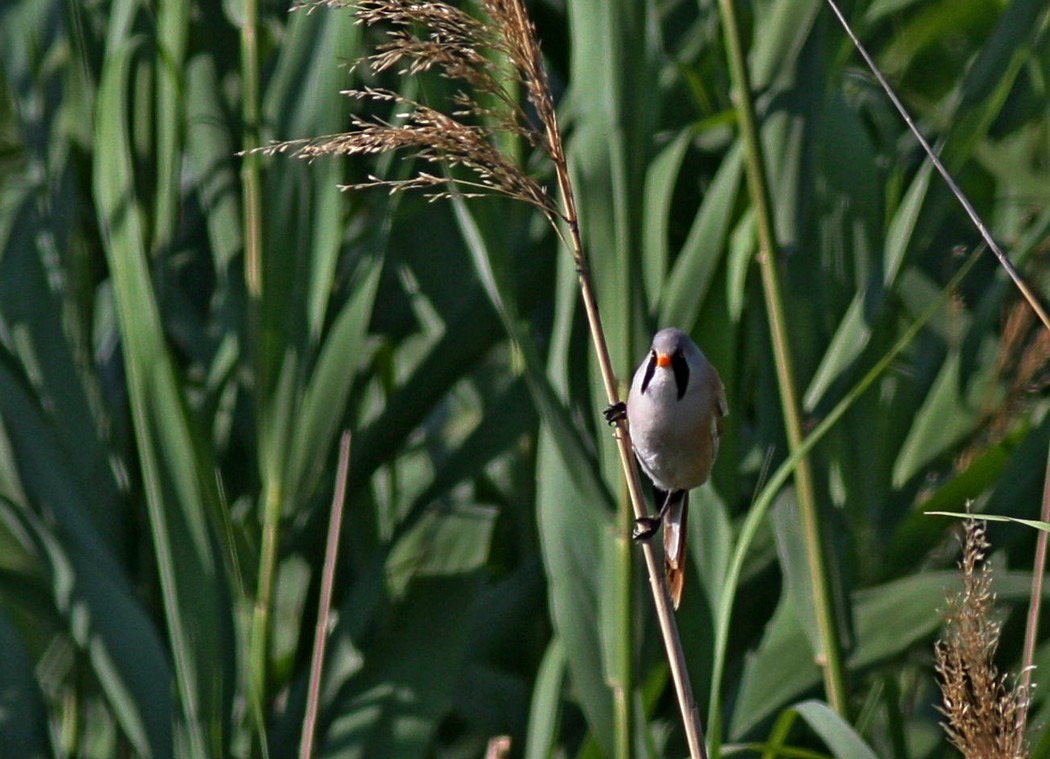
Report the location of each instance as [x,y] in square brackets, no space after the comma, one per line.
[674,411]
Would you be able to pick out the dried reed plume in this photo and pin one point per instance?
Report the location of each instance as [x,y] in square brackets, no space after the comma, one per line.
[464,141]
[985,714]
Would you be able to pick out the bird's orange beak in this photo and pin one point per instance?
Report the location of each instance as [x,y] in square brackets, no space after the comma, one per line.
[663,360]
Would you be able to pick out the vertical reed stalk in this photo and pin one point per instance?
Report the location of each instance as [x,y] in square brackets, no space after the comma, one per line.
[331,553]
[258,642]
[250,175]
[830,657]
[172,24]
[657,581]
[762,504]
[626,630]
[1031,631]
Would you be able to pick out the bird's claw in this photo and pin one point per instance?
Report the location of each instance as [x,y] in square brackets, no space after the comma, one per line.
[617,412]
[644,527]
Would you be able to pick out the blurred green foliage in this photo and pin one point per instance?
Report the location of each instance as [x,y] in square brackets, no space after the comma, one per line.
[152,406]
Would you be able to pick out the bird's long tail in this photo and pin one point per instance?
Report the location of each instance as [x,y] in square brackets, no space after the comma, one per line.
[674,542]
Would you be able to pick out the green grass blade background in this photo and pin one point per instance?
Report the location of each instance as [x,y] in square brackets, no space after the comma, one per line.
[196,599]
[154,416]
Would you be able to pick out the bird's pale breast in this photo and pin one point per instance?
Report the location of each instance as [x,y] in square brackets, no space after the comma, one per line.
[675,440]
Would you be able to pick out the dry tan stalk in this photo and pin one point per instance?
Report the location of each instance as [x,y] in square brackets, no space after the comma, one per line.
[465,142]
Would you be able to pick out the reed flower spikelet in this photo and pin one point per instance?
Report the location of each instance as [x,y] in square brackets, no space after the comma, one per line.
[984,713]
[462,138]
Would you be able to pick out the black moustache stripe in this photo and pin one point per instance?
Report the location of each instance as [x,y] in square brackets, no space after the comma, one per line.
[681,372]
[650,370]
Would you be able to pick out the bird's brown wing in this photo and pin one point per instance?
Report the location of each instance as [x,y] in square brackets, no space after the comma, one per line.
[676,520]
[718,419]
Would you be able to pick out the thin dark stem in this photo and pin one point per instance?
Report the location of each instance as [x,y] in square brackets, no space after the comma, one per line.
[306,743]
[1035,602]
[1032,623]
[1004,260]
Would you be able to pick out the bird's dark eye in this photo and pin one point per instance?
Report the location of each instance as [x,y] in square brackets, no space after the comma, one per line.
[650,370]
[681,372]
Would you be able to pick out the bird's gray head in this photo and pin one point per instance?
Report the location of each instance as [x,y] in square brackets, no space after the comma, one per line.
[672,348]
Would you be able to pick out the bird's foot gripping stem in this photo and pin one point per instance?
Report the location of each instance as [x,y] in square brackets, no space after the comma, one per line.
[645,527]
[617,412]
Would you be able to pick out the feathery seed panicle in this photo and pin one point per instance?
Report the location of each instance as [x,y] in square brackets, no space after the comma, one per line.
[984,713]
[462,137]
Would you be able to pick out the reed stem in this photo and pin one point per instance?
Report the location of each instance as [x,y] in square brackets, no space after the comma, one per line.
[830,656]
[1031,630]
[324,604]
[657,581]
[761,506]
[258,637]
